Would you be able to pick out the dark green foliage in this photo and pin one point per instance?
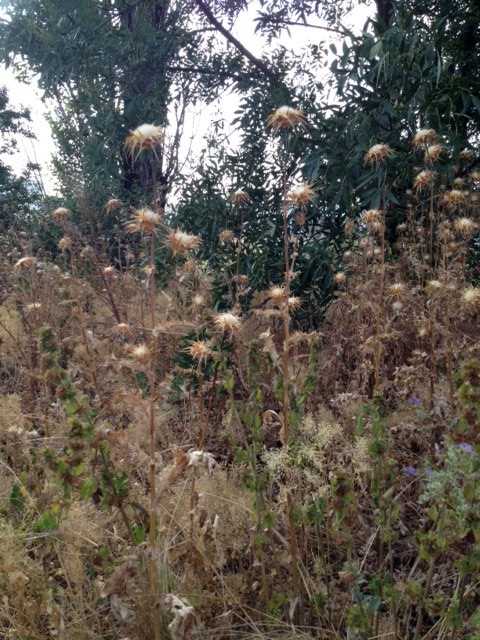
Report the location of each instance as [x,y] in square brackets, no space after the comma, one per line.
[18,194]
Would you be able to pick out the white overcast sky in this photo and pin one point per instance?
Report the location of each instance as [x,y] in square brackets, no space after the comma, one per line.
[42,148]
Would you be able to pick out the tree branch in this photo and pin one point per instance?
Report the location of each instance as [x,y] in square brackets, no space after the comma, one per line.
[256,62]
[343,31]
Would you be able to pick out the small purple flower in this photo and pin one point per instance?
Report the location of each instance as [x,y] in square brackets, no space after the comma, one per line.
[411,472]
[414,401]
[465,446]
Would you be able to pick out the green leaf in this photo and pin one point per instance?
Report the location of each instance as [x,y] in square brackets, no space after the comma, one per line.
[48,521]
[16,498]
[138,533]
[88,488]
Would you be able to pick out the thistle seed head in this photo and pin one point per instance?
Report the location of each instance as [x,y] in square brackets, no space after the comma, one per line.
[25,263]
[285,118]
[227,322]
[465,227]
[240,197]
[424,137]
[145,221]
[143,138]
[61,214]
[112,204]
[301,195]
[377,154]
[424,179]
[65,243]
[181,242]
[434,152]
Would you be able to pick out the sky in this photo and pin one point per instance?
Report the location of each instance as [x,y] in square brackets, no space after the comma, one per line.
[42,148]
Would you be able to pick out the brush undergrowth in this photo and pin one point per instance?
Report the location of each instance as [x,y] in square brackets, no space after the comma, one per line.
[173,471]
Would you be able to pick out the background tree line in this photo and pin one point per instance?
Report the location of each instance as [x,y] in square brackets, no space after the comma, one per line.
[110,65]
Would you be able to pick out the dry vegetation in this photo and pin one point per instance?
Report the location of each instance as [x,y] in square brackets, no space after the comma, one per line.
[172,471]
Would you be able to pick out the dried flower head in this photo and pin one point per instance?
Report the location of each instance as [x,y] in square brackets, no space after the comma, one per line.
[373,219]
[190,266]
[25,263]
[397,290]
[226,235]
[475,176]
[377,154]
[60,214]
[122,329]
[349,227]
[285,118]
[458,183]
[181,242]
[294,303]
[397,306]
[33,306]
[454,199]
[143,138]
[240,197]
[465,227]
[402,227]
[340,278]
[424,179]
[112,204]
[434,152]
[466,155]
[109,272]
[201,459]
[86,253]
[444,231]
[471,296]
[301,195]
[198,300]
[141,353]
[424,137]
[65,243]
[277,294]
[434,286]
[227,322]
[199,350]
[241,280]
[144,221]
